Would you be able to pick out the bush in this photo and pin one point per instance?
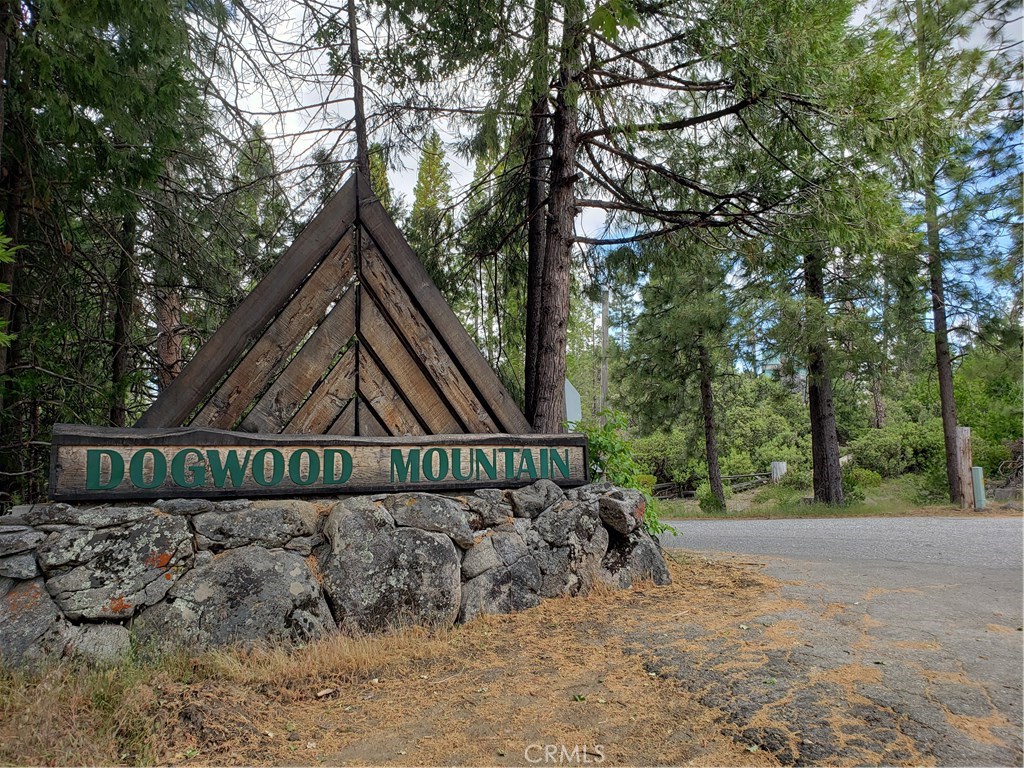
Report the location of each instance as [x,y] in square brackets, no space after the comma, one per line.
[881,451]
[865,478]
[612,459]
[797,479]
[707,501]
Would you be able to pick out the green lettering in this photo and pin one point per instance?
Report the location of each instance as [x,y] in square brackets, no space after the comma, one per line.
[526,464]
[312,466]
[457,465]
[510,453]
[330,478]
[137,466]
[403,468]
[259,467]
[94,469]
[428,464]
[489,467]
[178,469]
[545,464]
[231,466]
[557,462]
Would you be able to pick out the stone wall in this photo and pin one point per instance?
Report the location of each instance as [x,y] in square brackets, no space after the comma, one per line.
[80,581]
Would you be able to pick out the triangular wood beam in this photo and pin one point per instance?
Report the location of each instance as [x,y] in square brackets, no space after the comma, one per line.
[353,209]
[245,325]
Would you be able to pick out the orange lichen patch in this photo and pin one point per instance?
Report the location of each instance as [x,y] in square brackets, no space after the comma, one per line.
[118,605]
[158,559]
[168,576]
[23,597]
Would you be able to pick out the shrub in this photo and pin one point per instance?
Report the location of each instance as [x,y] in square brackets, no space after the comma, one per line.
[797,479]
[707,501]
[612,459]
[881,451]
[865,478]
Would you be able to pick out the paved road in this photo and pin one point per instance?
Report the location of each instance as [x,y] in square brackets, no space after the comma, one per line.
[936,603]
[990,543]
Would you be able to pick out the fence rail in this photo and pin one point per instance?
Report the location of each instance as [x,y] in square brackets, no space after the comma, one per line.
[678,491]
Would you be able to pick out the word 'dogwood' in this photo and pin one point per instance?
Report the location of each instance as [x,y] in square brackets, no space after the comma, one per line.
[91,462]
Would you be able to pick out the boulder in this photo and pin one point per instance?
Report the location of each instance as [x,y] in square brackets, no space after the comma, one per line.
[15,539]
[430,512]
[505,589]
[623,510]
[489,508]
[22,566]
[99,643]
[377,575]
[534,499]
[245,595]
[112,572]
[479,558]
[90,517]
[31,626]
[184,506]
[634,558]
[268,524]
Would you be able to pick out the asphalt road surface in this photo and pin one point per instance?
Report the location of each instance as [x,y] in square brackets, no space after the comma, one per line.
[936,603]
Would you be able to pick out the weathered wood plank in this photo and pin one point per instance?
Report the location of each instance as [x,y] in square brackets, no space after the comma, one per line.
[379,336]
[345,424]
[328,400]
[419,337]
[376,389]
[107,464]
[291,389]
[305,309]
[411,271]
[176,403]
[369,424]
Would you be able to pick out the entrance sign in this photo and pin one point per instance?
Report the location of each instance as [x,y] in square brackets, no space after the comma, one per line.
[346,335]
[103,463]
[343,371]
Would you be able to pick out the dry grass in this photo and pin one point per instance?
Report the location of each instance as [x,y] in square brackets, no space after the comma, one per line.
[476,694]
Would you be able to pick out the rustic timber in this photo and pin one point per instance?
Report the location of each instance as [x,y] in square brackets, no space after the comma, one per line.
[277,406]
[111,463]
[329,398]
[176,403]
[272,367]
[305,309]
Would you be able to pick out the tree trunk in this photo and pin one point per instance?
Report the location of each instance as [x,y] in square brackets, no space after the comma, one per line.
[167,310]
[536,198]
[878,420]
[828,481]
[554,299]
[359,117]
[943,361]
[707,409]
[124,299]
[536,204]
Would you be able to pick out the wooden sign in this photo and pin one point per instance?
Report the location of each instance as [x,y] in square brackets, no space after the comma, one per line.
[103,463]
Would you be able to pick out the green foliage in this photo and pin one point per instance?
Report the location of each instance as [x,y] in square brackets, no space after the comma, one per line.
[612,460]
[707,501]
[796,479]
[7,251]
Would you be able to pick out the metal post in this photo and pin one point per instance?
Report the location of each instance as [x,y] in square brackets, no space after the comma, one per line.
[978,477]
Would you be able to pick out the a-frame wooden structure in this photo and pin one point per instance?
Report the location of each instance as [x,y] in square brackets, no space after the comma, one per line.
[346,335]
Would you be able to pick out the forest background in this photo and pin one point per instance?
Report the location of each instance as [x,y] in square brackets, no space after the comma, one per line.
[805,215]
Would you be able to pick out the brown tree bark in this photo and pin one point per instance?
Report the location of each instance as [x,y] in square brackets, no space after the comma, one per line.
[359,116]
[943,360]
[124,300]
[878,419]
[827,473]
[549,413]
[536,239]
[707,409]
